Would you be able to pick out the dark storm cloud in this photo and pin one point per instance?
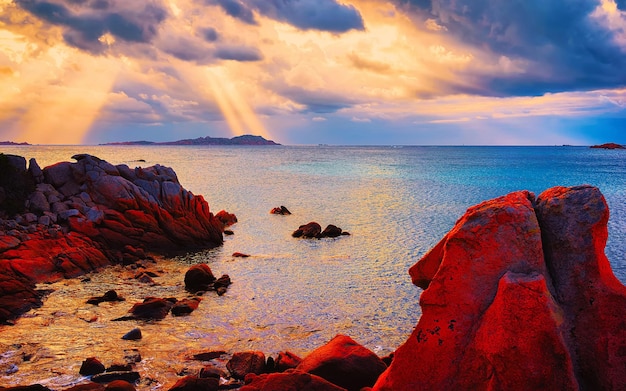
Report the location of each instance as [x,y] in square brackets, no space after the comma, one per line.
[84,22]
[237,9]
[565,47]
[238,53]
[324,15]
[209,34]
[316,101]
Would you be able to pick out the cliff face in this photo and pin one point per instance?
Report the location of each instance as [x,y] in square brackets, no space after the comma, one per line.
[518,296]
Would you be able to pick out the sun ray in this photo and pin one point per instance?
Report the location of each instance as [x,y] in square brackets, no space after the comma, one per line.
[239,115]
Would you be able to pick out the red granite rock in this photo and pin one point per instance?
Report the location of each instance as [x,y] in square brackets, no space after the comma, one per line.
[243,363]
[502,316]
[288,381]
[344,362]
[193,383]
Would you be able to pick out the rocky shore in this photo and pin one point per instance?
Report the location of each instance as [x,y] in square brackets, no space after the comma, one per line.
[71,218]
[518,295]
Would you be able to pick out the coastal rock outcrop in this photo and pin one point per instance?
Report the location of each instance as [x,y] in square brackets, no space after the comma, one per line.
[518,295]
[72,218]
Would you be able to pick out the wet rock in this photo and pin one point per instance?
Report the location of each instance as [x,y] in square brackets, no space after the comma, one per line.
[309,230]
[222,282]
[132,335]
[344,362]
[227,219]
[132,356]
[281,210]
[91,366]
[212,371]
[286,360]
[185,306]
[34,387]
[120,385]
[207,356]
[110,296]
[193,383]
[108,377]
[86,387]
[152,308]
[331,231]
[243,363]
[519,295]
[288,381]
[199,278]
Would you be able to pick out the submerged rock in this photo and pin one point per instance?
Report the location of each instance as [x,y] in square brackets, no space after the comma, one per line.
[518,295]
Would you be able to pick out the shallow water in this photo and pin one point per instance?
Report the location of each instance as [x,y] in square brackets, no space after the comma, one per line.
[296,294]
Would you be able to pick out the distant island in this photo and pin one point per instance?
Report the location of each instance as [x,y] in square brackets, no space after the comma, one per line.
[12,143]
[608,146]
[239,140]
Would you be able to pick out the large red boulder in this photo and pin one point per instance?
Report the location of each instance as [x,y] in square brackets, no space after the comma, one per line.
[518,296]
[344,362]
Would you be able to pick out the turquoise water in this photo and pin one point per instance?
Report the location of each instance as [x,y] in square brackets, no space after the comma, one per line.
[296,294]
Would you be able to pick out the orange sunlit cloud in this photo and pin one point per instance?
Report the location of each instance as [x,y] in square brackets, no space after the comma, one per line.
[272,70]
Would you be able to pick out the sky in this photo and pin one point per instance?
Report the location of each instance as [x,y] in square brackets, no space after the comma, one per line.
[360,72]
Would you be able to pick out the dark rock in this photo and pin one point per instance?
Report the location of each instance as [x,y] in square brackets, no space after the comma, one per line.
[243,363]
[227,219]
[107,377]
[310,230]
[120,385]
[132,335]
[199,278]
[185,306]
[132,356]
[222,282]
[211,371]
[91,366]
[34,387]
[344,362]
[193,383]
[240,255]
[120,368]
[35,171]
[86,387]
[285,361]
[110,296]
[152,308]
[207,356]
[331,231]
[280,211]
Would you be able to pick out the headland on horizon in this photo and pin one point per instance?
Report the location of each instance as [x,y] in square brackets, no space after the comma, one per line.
[238,140]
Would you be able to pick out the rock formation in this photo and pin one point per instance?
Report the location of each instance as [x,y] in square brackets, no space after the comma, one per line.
[519,295]
[71,218]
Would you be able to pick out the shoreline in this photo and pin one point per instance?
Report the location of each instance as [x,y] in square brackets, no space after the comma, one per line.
[553,282]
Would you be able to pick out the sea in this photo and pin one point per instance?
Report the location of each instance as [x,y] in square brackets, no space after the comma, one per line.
[291,294]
